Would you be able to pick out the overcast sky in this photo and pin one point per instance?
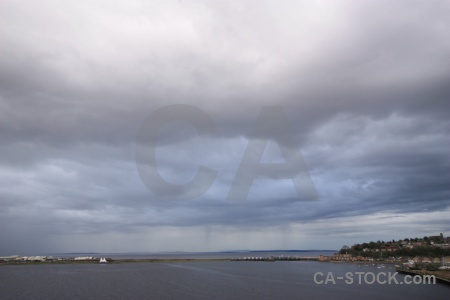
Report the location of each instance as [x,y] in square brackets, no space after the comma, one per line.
[363,85]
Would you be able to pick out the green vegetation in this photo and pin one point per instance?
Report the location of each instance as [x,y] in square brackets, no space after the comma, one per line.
[428,246]
[418,251]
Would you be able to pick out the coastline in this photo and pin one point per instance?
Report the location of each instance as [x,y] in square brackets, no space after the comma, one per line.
[117,261]
[441,275]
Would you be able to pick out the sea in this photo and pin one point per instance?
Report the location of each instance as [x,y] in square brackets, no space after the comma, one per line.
[211,279]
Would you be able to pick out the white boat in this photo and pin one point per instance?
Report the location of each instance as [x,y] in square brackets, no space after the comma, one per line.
[103,260]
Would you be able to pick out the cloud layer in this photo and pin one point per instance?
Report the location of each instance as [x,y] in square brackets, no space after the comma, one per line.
[364,86]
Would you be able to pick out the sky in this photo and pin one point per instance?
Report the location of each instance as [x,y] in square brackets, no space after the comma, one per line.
[153,126]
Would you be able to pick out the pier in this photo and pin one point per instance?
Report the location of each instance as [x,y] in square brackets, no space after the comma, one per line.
[275,258]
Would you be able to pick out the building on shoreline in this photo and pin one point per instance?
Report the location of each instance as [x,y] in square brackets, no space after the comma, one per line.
[344,257]
[16,259]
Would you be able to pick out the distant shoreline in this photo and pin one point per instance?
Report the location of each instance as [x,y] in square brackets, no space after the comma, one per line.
[177,260]
[117,261]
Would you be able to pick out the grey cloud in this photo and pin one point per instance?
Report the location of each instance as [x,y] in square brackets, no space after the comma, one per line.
[363,84]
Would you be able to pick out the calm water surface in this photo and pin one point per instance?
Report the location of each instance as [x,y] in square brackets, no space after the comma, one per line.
[200,280]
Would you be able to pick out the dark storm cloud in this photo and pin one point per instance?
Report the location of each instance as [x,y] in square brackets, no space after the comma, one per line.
[363,84]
